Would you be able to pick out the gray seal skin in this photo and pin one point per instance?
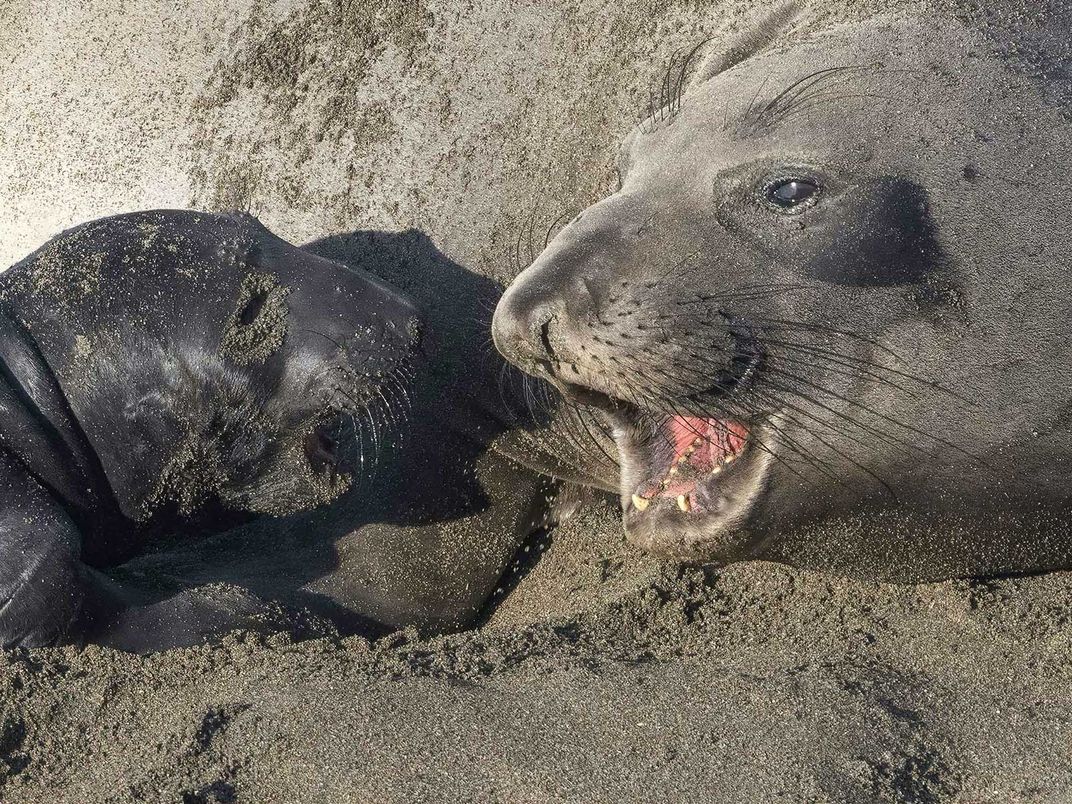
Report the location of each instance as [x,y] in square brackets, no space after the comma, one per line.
[434,529]
[166,373]
[827,313]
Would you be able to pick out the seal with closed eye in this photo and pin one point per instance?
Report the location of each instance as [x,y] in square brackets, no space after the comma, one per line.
[165,372]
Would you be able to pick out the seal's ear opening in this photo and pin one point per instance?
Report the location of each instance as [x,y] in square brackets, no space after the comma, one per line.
[754,36]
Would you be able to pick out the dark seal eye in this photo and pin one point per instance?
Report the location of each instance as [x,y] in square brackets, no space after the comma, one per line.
[792,193]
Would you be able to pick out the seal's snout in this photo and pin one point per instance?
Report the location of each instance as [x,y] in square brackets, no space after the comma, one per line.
[533,326]
[520,328]
[552,320]
[399,320]
[403,328]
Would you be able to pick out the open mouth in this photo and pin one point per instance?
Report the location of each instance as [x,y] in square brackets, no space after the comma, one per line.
[686,455]
[688,483]
[324,448]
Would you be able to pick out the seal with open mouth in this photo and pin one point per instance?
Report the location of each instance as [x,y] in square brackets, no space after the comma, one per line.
[825,314]
[172,372]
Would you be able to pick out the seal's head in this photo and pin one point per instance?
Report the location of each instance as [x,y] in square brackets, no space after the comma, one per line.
[207,360]
[829,285]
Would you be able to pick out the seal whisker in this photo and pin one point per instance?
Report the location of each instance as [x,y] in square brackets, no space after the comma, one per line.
[866,470]
[505,371]
[536,206]
[853,367]
[867,366]
[554,223]
[818,100]
[686,62]
[825,468]
[777,404]
[884,417]
[613,460]
[323,335]
[755,99]
[830,84]
[665,109]
[849,371]
[873,430]
[367,411]
[840,414]
[830,330]
[766,113]
[517,249]
[575,426]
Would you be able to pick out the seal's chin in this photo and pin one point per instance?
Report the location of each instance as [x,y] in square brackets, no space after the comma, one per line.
[688,484]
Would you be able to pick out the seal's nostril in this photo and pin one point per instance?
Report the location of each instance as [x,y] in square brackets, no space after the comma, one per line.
[545,338]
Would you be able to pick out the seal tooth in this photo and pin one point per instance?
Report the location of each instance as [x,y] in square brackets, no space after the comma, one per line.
[716,470]
[673,471]
[640,503]
[683,503]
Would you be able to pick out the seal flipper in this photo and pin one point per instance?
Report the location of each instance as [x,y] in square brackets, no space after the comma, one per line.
[42,579]
[48,596]
[38,427]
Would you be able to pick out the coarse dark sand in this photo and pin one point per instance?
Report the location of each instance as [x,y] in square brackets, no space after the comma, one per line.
[602,677]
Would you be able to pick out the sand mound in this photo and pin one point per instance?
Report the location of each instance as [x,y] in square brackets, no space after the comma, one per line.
[602,676]
[598,679]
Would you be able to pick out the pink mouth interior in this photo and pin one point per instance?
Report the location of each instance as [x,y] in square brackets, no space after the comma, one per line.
[699,448]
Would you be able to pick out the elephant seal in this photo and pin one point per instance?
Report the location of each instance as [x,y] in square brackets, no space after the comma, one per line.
[440,529]
[171,372]
[827,314]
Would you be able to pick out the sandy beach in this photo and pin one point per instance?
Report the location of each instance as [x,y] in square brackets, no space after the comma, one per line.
[599,674]
[604,677]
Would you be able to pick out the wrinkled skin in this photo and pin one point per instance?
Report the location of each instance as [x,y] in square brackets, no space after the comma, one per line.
[168,373]
[835,273]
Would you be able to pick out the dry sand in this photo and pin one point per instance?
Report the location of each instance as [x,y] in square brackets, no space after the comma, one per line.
[603,677]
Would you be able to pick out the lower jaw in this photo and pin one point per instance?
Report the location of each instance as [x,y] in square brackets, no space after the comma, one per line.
[704,538]
[713,523]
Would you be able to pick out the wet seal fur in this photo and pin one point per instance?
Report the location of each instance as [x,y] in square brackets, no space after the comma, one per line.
[827,312]
[169,373]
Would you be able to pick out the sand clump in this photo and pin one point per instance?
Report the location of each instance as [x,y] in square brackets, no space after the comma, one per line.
[258,326]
